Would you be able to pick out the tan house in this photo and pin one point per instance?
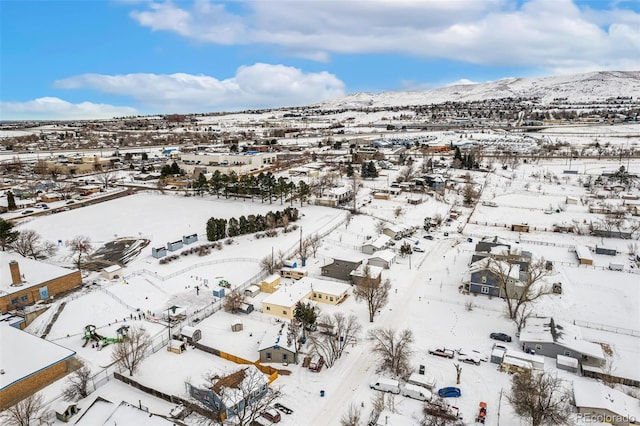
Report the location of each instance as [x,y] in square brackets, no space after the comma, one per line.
[282,303]
[25,281]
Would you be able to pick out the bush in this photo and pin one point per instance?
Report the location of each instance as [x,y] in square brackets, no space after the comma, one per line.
[229,241]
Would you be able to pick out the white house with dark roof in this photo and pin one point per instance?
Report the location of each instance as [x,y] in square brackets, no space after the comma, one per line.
[373,246]
[382,259]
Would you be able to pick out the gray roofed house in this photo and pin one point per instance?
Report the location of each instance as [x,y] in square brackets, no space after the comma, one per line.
[550,338]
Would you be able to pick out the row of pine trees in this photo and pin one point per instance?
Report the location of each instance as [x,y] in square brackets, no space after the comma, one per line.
[218,229]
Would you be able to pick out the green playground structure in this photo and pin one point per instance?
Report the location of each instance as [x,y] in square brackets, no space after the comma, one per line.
[91,334]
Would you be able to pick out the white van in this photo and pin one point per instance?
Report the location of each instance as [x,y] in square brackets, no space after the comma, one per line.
[416,392]
[423,380]
[386,385]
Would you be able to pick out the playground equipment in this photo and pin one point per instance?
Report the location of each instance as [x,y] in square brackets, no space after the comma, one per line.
[91,334]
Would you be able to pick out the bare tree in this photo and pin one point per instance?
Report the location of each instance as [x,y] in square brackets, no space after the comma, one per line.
[541,398]
[106,176]
[340,332]
[80,247]
[352,416]
[314,243]
[355,186]
[397,211]
[393,349]
[517,297]
[522,315]
[65,189]
[24,413]
[374,293]
[77,384]
[380,225]
[406,173]
[458,372]
[233,301]
[131,351]
[270,264]
[249,387]
[30,244]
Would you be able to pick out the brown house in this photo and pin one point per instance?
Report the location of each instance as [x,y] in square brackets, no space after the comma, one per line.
[25,281]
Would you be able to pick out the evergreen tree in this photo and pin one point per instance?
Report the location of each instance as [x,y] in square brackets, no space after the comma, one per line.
[234,227]
[303,191]
[350,170]
[243,225]
[175,169]
[11,201]
[212,229]
[7,234]
[372,171]
[458,154]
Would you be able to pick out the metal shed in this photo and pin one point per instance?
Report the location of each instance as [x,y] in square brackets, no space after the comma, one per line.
[192,334]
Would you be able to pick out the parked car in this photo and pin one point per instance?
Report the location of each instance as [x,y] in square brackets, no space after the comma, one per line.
[271,414]
[27,212]
[416,392]
[386,385]
[472,356]
[449,392]
[282,408]
[418,250]
[500,336]
[428,237]
[443,352]
[70,202]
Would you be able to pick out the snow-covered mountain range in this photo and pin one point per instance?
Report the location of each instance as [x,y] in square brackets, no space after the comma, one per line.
[591,86]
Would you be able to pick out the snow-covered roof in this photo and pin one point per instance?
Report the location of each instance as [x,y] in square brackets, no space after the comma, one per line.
[386,255]
[271,278]
[291,293]
[379,242]
[17,366]
[230,395]
[583,253]
[498,265]
[592,394]
[112,268]
[569,336]
[33,272]
[128,414]
[360,271]
[277,335]
[387,418]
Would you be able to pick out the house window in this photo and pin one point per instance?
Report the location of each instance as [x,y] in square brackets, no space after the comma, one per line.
[284,312]
[268,356]
[484,290]
[567,353]
[538,347]
[14,301]
[331,299]
[285,358]
[484,279]
[24,297]
[268,308]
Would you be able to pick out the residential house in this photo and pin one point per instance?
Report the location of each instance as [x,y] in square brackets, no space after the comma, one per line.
[547,337]
[270,284]
[604,405]
[366,273]
[282,303]
[584,255]
[372,246]
[278,346]
[341,267]
[230,394]
[482,277]
[382,259]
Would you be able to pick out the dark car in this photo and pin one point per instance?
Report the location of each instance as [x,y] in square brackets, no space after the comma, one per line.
[428,237]
[27,212]
[271,414]
[282,408]
[500,336]
[449,392]
[70,202]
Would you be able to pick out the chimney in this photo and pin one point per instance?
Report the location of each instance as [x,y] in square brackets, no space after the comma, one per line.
[15,273]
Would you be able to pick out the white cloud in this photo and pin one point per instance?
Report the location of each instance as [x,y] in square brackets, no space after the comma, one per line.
[256,86]
[50,108]
[554,34]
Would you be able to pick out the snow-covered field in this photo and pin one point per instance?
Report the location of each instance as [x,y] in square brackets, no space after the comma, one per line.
[425,294]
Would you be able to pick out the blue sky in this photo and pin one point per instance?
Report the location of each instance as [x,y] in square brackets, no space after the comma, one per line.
[101,58]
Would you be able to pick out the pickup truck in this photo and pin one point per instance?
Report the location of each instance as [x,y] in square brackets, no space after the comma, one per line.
[443,352]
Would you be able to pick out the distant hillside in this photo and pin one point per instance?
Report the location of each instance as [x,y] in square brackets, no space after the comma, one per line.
[591,86]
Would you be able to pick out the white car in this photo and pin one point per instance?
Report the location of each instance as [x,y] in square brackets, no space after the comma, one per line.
[418,250]
[471,357]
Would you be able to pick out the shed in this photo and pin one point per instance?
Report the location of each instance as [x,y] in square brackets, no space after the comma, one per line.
[158,252]
[567,363]
[584,255]
[188,239]
[289,264]
[515,365]
[112,272]
[605,250]
[246,308]
[572,200]
[497,355]
[236,326]
[218,292]
[65,410]
[176,346]
[192,334]
[175,245]
[523,227]
[252,290]
[270,284]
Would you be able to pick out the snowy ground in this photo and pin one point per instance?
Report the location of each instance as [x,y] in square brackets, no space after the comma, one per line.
[425,293]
